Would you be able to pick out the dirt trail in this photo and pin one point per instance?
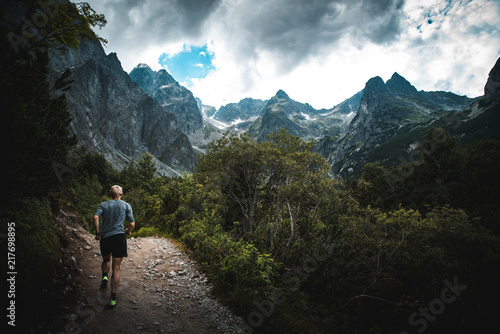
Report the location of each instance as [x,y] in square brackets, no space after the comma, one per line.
[160,292]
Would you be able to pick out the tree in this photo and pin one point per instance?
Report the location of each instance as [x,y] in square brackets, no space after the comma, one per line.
[35,119]
[296,184]
[33,27]
[232,167]
[271,190]
[147,172]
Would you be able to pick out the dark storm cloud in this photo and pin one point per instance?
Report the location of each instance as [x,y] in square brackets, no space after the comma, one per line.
[146,22]
[295,29]
[294,26]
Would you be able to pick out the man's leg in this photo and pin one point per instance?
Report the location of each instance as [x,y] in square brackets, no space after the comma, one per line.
[106,263]
[119,251]
[105,266]
[115,279]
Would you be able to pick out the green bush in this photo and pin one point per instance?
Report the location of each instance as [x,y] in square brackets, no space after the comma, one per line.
[84,192]
[147,231]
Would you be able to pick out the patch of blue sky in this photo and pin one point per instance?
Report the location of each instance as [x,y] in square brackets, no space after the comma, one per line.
[193,62]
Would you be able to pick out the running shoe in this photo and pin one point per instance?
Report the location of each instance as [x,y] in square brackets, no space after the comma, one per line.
[104,285]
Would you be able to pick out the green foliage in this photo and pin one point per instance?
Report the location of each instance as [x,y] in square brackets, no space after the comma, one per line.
[54,25]
[84,192]
[237,268]
[84,162]
[172,213]
[146,172]
[147,231]
[356,260]
[37,243]
[444,173]
[86,182]
[141,174]
[146,207]
[270,190]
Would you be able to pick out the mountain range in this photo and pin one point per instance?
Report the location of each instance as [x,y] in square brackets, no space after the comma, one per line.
[124,115]
[114,116]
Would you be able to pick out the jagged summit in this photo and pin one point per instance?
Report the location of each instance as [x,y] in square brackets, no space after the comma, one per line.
[399,86]
[282,95]
[385,110]
[142,65]
[375,84]
[172,97]
[375,91]
[164,78]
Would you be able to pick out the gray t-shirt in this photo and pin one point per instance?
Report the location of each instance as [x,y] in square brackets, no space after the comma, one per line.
[114,212]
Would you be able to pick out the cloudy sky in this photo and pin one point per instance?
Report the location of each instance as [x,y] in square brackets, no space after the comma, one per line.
[318,51]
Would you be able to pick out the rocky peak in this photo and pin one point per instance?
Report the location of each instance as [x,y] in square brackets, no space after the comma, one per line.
[164,78]
[282,95]
[492,87]
[374,92]
[172,97]
[143,75]
[373,87]
[246,109]
[399,86]
[142,65]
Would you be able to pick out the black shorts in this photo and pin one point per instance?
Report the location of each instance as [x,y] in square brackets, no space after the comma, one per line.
[116,245]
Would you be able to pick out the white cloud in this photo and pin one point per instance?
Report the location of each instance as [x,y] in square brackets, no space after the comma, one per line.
[319,52]
[457,50]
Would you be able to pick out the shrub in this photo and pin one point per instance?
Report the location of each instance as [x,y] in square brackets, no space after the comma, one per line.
[147,231]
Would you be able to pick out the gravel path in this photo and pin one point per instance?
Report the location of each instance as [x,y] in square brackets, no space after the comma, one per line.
[160,292]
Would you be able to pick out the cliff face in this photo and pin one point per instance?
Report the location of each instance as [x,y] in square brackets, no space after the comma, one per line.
[492,87]
[114,116]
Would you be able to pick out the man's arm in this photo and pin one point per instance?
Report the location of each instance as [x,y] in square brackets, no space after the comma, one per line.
[130,228]
[96,226]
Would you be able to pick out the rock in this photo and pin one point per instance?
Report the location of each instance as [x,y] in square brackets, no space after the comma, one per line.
[492,87]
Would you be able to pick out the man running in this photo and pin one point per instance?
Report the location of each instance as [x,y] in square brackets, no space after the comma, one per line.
[113,239]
